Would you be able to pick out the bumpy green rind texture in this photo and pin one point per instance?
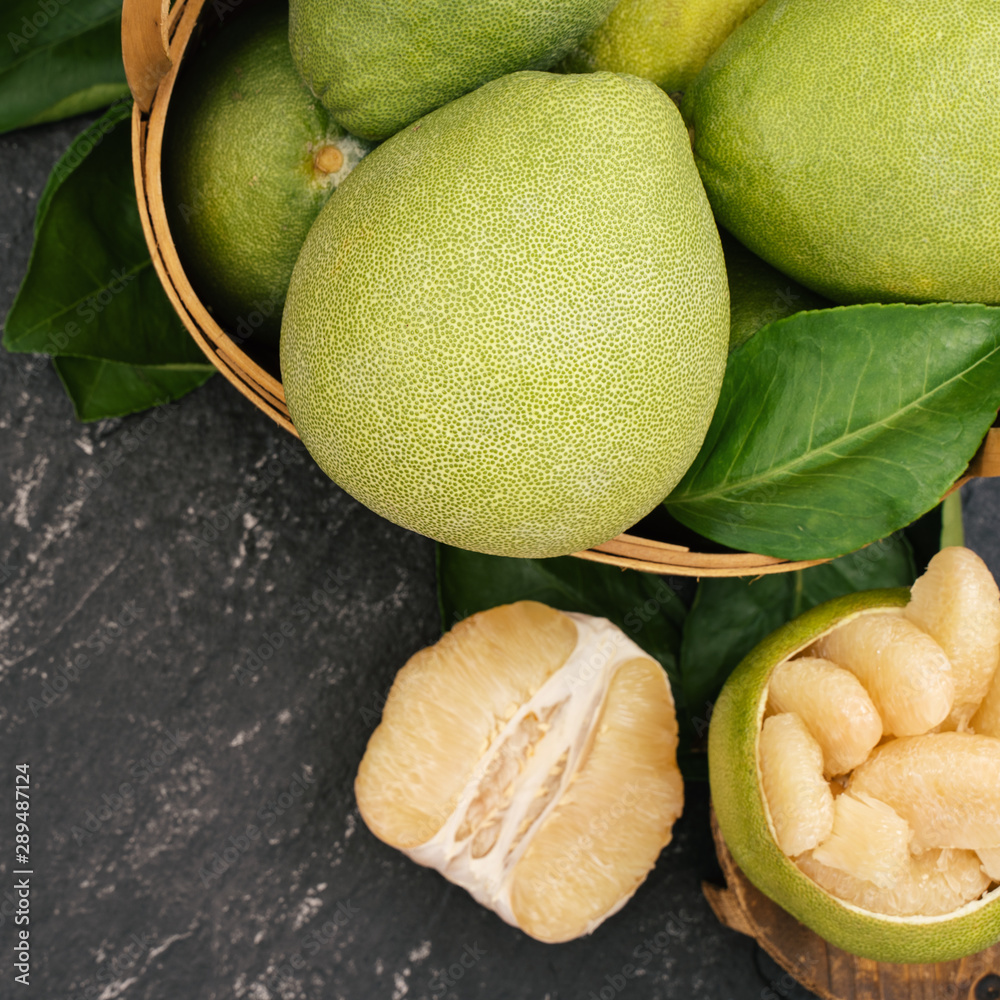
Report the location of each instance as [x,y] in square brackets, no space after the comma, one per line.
[854,145]
[239,185]
[733,737]
[507,329]
[666,41]
[378,67]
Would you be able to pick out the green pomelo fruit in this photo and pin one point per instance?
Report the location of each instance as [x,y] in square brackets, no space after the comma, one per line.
[760,294]
[738,800]
[379,67]
[666,41]
[249,159]
[853,145]
[508,328]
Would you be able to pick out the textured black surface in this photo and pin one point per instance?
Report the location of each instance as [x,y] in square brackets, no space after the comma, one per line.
[212,537]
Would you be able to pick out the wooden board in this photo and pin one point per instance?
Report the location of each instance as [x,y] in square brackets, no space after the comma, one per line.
[834,974]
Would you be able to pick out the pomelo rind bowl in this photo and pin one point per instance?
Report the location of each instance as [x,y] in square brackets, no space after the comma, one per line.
[155,36]
[745,824]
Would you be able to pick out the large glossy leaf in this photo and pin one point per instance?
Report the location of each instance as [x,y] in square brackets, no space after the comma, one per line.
[728,617]
[101,389]
[91,297]
[90,290]
[60,58]
[838,427]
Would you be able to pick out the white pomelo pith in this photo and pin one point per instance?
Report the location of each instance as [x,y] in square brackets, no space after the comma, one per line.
[508,329]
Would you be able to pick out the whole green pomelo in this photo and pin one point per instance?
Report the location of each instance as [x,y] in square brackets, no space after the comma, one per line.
[666,41]
[760,294]
[249,159]
[853,145]
[507,329]
[379,67]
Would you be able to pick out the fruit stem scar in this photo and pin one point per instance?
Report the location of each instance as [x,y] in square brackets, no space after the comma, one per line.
[328,160]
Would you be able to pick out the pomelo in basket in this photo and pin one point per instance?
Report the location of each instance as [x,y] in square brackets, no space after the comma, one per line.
[666,41]
[249,159]
[378,67]
[508,327]
[888,851]
[852,144]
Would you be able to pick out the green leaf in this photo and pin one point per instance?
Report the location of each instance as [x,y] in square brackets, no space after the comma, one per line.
[838,427]
[91,290]
[60,58]
[102,389]
[728,617]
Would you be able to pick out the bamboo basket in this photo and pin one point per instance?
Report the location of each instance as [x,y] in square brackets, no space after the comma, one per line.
[155,36]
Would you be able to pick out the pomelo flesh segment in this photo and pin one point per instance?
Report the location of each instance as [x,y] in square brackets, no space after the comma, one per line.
[934,882]
[957,603]
[904,670]
[446,706]
[833,704]
[869,841]
[798,798]
[530,757]
[572,874]
[990,859]
[945,785]
[986,721]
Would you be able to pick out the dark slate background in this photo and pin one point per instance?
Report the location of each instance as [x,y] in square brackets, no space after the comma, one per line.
[154,760]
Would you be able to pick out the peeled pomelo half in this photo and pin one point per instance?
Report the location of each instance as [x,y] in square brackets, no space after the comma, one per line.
[973,923]
[530,757]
